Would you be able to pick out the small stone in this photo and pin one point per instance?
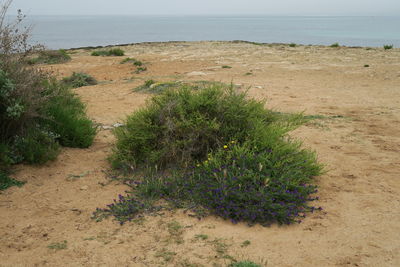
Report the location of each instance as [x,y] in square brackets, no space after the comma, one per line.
[116,125]
[84,188]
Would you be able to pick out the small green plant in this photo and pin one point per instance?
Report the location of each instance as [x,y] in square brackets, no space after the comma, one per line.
[245,243]
[50,57]
[133,61]
[335,45]
[226,67]
[79,79]
[244,264]
[58,246]
[387,47]
[140,69]
[201,237]
[366,66]
[108,53]
[248,73]
[6,181]
[292,45]
[165,254]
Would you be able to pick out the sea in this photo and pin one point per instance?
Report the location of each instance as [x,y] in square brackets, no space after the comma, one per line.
[57,32]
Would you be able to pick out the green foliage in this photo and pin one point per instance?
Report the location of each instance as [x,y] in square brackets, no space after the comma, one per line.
[67,118]
[244,264]
[335,45]
[36,113]
[140,69]
[6,181]
[50,57]
[226,67]
[79,79]
[37,146]
[292,45]
[366,66]
[182,126]
[387,47]
[58,246]
[107,53]
[223,153]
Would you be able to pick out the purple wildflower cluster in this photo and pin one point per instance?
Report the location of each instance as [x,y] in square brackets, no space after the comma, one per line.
[249,187]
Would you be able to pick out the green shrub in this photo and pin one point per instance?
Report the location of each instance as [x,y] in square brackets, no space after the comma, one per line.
[111,52]
[226,67]
[67,118]
[224,154]
[387,47]
[151,86]
[37,146]
[181,126]
[292,45]
[36,112]
[140,69]
[244,264]
[335,45]
[6,181]
[79,79]
[50,57]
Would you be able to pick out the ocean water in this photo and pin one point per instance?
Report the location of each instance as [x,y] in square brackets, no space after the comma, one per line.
[80,31]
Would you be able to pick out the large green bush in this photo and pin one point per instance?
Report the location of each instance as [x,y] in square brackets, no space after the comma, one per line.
[181,126]
[37,113]
[215,151]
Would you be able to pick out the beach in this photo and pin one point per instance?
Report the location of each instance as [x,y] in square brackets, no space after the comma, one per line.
[354,96]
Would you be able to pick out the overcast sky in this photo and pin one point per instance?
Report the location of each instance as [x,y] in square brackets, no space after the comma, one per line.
[211,7]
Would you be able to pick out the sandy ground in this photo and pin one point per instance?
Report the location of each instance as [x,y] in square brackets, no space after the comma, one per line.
[358,141]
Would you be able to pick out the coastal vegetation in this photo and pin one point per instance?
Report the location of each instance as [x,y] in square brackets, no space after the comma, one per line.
[108,53]
[214,151]
[335,45]
[387,47]
[79,79]
[37,113]
[50,57]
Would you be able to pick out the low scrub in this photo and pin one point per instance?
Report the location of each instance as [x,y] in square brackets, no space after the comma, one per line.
[154,87]
[387,47]
[108,53]
[79,79]
[218,152]
[133,61]
[335,45]
[50,57]
[6,181]
[37,113]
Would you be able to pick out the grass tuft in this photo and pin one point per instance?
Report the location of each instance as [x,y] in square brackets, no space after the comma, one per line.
[335,45]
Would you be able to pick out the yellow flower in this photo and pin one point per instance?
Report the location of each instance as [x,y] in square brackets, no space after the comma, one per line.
[198,165]
[206,161]
[233,142]
[225,146]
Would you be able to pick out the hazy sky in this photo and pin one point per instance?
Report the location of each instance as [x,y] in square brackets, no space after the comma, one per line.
[199,7]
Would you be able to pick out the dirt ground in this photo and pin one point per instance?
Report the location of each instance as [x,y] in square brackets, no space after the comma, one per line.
[47,221]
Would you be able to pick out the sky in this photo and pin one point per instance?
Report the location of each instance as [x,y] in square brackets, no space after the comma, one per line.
[207,7]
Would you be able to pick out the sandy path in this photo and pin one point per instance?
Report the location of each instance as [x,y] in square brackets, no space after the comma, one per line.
[359,142]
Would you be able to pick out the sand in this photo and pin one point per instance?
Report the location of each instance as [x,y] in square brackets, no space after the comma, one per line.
[358,141]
